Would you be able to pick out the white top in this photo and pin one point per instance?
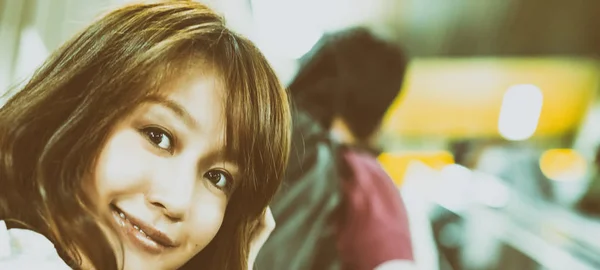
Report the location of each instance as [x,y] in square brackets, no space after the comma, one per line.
[26,249]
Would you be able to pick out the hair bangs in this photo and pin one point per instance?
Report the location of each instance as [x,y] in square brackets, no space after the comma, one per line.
[258,131]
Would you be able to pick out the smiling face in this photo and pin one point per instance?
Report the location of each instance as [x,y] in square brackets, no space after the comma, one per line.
[163,176]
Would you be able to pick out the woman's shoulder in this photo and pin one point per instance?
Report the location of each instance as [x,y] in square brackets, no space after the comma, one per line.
[27,249]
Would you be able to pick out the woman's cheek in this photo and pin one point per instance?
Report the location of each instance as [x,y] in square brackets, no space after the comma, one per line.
[123,165]
[207,219]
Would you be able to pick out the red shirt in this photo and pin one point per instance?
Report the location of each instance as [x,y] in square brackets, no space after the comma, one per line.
[374,225]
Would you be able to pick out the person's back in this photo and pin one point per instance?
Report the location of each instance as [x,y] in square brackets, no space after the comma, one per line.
[306,207]
[373,213]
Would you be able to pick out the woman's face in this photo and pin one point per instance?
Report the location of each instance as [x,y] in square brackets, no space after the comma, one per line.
[163,176]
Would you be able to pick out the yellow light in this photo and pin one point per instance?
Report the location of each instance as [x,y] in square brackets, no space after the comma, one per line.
[563,165]
[460,98]
[395,164]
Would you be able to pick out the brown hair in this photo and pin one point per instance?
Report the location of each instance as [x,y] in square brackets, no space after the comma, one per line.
[53,129]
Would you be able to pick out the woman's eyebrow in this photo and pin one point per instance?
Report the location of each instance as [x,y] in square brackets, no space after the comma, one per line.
[177,109]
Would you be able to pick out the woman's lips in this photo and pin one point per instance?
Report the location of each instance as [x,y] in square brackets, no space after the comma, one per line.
[142,234]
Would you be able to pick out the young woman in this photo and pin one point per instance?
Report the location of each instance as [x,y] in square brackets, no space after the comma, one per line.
[154,139]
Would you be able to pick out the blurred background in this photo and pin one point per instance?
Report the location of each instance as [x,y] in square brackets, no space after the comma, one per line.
[493,141]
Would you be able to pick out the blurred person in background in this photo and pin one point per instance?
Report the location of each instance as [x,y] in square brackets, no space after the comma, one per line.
[153,139]
[338,208]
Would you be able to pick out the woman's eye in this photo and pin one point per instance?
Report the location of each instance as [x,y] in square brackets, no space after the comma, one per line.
[159,137]
[218,178]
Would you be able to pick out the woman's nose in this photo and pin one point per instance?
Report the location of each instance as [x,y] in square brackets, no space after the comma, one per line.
[173,191]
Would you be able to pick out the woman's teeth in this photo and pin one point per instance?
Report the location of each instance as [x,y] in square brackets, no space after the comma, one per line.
[140,230]
[122,215]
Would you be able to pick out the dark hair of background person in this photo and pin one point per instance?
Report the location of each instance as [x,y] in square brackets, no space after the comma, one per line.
[351,74]
[53,129]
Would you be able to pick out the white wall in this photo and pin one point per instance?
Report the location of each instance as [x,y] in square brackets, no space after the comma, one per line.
[10,20]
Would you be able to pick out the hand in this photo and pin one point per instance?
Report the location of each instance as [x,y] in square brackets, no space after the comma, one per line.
[260,235]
